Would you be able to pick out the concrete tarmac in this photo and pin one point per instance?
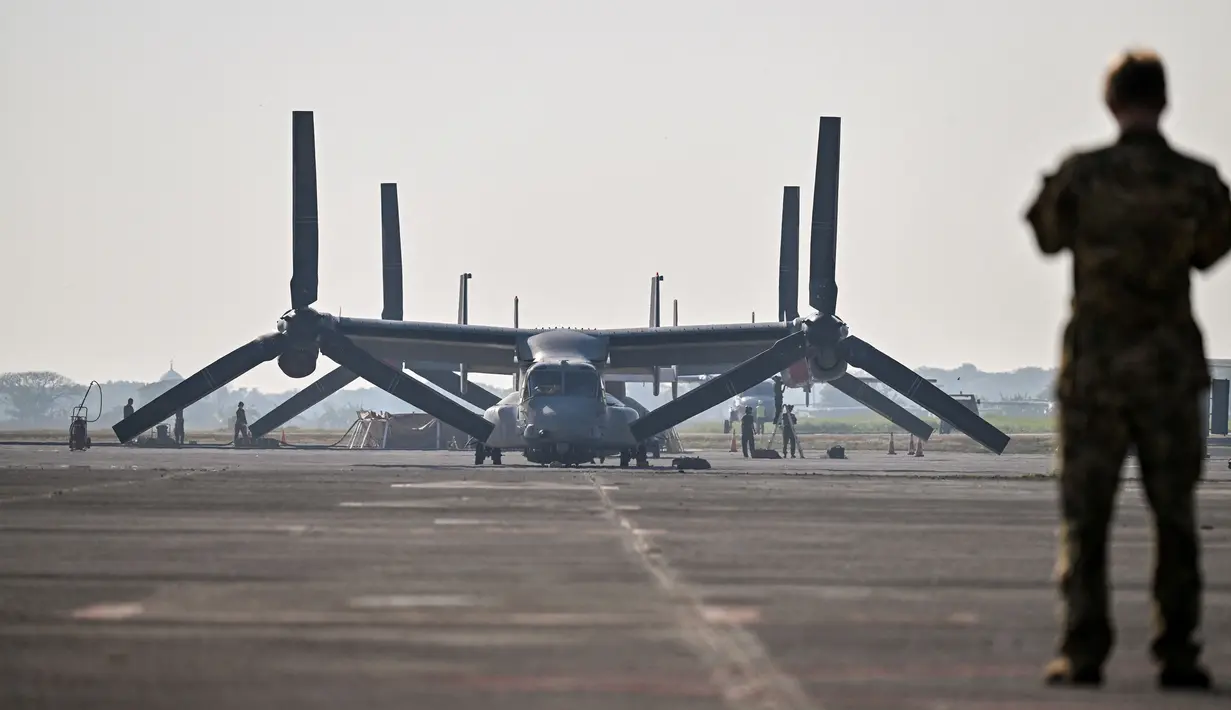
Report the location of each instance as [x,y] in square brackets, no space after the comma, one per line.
[212,579]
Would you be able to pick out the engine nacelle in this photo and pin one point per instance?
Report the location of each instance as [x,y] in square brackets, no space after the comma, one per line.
[826,363]
[300,331]
[297,362]
[799,374]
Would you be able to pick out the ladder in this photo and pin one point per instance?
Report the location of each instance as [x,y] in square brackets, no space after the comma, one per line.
[365,435]
[359,435]
[672,441]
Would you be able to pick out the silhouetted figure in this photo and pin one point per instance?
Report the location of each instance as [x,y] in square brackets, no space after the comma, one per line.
[748,429]
[241,424]
[1137,216]
[179,427]
[128,408]
[789,437]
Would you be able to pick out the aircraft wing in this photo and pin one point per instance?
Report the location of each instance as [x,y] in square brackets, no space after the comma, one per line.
[695,349]
[422,345]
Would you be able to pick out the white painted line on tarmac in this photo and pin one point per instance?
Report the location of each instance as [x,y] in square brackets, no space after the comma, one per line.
[109,612]
[741,668]
[500,486]
[414,601]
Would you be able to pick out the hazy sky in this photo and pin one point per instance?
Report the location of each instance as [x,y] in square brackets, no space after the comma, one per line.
[562,152]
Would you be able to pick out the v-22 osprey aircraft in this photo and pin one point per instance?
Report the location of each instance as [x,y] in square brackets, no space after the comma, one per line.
[560,411]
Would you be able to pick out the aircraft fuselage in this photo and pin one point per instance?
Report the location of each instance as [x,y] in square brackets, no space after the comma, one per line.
[561,414]
[562,428]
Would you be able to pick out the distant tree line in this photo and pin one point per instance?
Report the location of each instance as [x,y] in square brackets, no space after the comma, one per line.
[45,400]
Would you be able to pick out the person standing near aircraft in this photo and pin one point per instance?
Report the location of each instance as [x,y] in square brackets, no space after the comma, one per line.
[241,424]
[1137,216]
[128,412]
[179,427]
[760,416]
[788,431]
[748,430]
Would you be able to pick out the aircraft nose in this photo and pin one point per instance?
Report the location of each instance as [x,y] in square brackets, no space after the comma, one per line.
[555,421]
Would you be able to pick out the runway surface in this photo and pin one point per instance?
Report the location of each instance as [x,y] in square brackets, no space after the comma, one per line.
[326,579]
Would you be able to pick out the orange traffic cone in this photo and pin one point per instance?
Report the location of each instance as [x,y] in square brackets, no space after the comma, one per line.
[919,451]
[911,450]
[284,437]
[734,448]
[891,451]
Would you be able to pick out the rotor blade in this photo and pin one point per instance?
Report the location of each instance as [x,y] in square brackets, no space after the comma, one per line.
[214,376]
[656,320]
[463,318]
[741,378]
[391,251]
[341,350]
[823,247]
[788,259]
[516,324]
[867,395]
[451,382]
[658,300]
[653,294]
[304,234]
[927,395]
[302,401]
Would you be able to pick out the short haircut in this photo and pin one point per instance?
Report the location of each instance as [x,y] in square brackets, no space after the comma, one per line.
[1136,79]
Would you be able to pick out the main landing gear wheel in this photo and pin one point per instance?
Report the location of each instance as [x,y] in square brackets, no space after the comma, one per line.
[481,453]
[641,455]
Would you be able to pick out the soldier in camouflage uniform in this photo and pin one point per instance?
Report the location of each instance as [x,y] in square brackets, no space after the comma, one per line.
[1137,216]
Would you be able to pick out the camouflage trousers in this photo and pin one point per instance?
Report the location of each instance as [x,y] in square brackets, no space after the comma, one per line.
[789,439]
[1096,436]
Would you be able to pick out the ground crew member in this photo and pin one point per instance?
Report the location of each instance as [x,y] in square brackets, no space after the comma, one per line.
[788,431]
[179,427]
[128,408]
[760,416]
[779,390]
[1137,216]
[241,424]
[748,424]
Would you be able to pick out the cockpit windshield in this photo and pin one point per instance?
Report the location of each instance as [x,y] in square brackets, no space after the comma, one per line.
[545,381]
[582,382]
[573,381]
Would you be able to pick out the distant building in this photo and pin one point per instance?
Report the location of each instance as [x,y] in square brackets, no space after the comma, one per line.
[1017,408]
[146,394]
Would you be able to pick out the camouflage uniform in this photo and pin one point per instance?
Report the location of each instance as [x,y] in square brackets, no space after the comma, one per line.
[748,437]
[1137,217]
